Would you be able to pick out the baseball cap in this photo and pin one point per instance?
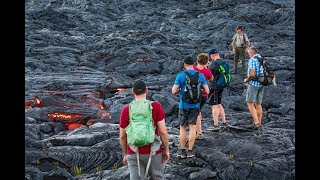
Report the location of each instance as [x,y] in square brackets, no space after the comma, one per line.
[212,51]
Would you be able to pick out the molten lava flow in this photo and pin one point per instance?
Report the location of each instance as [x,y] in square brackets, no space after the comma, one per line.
[35,102]
[121,89]
[67,116]
[71,120]
[73,126]
[140,59]
[104,115]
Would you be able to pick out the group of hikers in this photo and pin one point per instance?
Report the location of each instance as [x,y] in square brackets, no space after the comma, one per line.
[145,154]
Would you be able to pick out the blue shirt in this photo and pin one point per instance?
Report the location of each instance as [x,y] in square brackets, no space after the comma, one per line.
[253,63]
[181,81]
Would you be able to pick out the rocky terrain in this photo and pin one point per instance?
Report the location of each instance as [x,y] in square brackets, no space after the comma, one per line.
[82,56]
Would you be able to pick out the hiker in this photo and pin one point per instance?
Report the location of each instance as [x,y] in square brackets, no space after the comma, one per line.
[137,158]
[255,89]
[240,44]
[188,112]
[202,61]
[215,96]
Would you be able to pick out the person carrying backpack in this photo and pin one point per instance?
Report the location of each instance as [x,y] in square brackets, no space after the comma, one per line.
[202,62]
[142,126]
[240,44]
[190,85]
[255,89]
[216,88]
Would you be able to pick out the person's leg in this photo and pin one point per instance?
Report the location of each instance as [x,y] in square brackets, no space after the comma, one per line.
[222,113]
[156,169]
[215,114]
[220,107]
[198,125]
[251,98]
[199,117]
[213,102]
[183,137]
[259,113]
[192,135]
[191,117]
[253,112]
[133,166]
[258,104]
[236,58]
[183,123]
[243,61]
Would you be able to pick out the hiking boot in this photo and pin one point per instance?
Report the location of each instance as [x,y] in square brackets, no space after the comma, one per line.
[254,126]
[190,154]
[200,136]
[214,128]
[224,125]
[182,153]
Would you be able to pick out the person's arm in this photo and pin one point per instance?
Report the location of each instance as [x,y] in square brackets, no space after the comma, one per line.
[123,145]
[175,89]
[247,42]
[211,76]
[205,88]
[164,139]
[234,43]
[250,77]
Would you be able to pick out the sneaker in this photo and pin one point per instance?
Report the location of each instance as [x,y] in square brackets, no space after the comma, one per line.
[214,128]
[190,154]
[182,153]
[224,125]
[253,126]
[200,136]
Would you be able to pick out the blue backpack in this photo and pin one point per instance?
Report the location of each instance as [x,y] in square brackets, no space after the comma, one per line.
[224,76]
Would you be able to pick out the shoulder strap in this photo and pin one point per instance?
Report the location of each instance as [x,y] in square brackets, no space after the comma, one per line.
[187,73]
[260,60]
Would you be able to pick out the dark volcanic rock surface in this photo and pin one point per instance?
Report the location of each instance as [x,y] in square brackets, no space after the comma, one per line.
[81,57]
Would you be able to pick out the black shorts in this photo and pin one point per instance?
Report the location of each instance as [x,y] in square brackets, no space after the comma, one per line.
[203,101]
[215,96]
[188,116]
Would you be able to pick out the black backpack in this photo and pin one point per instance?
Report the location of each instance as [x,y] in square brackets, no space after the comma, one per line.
[192,93]
[268,77]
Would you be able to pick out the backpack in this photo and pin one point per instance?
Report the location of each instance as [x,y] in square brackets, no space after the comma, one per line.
[224,75]
[192,93]
[268,77]
[141,130]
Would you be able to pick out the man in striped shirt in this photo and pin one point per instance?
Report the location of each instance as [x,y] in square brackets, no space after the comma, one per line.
[255,89]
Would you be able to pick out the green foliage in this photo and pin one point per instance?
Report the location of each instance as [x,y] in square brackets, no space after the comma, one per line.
[115,166]
[77,170]
[99,169]
[232,155]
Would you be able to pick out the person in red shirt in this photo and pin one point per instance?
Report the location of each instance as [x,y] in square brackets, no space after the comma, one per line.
[156,168]
[202,62]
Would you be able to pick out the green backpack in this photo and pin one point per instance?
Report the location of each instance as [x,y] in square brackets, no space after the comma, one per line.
[141,130]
